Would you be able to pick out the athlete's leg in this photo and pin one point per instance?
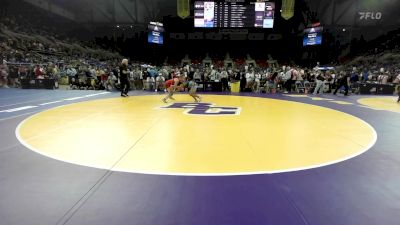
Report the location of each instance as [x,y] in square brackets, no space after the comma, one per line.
[192,93]
[171,92]
[194,96]
[168,95]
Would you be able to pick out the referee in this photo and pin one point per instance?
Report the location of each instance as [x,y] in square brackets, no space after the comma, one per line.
[123,78]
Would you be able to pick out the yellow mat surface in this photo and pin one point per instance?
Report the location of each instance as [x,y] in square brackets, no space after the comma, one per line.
[382,103]
[136,134]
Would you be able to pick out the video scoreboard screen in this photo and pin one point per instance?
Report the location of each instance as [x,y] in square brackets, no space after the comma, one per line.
[312,36]
[234,13]
[156,33]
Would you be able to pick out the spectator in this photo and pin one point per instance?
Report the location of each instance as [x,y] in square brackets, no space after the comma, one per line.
[319,88]
[4,74]
[13,75]
[288,80]
[365,75]
[343,81]
[160,81]
[398,93]
[224,80]
[39,72]
[124,73]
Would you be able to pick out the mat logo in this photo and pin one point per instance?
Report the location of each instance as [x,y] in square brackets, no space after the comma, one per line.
[205,109]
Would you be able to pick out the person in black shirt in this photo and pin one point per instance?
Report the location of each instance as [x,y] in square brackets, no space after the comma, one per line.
[124,73]
[243,82]
[343,81]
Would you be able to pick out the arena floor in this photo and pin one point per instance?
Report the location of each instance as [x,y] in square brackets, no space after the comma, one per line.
[94,158]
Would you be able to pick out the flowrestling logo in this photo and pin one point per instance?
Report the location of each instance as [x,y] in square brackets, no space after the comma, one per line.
[205,109]
[370,15]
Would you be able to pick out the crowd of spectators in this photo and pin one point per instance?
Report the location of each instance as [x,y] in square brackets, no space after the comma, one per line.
[38,53]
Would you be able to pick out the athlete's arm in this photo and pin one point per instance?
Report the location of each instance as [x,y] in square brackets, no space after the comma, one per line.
[175,85]
[176,82]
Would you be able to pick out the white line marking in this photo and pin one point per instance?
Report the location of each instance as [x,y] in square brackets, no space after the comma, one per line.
[49,103]
[46,103]
[72,99]
[363,106]
[18,109]
[21,103]
[43,99]
[21,96]
[341,102]
[13,117]
[297,96]
[85,96]
[102,93]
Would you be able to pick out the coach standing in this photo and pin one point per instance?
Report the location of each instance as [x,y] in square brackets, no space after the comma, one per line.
[123,77]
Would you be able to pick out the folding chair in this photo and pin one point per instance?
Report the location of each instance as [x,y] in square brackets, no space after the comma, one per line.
[300,87]
[307,87]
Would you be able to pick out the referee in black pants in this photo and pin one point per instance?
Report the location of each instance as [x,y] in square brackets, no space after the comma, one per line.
[343,81]
[123,78]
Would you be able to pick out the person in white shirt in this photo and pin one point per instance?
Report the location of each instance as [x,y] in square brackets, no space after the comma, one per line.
[224,80]
[71,73]
[217,75]
[250,79]
[160,80]
[132,79]
[397,80]
[197,75]
[288,80]
[138,78]
[333,75]
[257,81]
[150,82]
[299,75]
[264,76]
[385,78]
[212,75]
[92,72]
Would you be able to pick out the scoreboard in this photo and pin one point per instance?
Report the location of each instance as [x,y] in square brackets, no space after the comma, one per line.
[156,33]
[234,14]
[313,36]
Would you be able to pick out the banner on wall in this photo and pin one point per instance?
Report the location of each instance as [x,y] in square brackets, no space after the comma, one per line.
[287,9]
[183,8]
